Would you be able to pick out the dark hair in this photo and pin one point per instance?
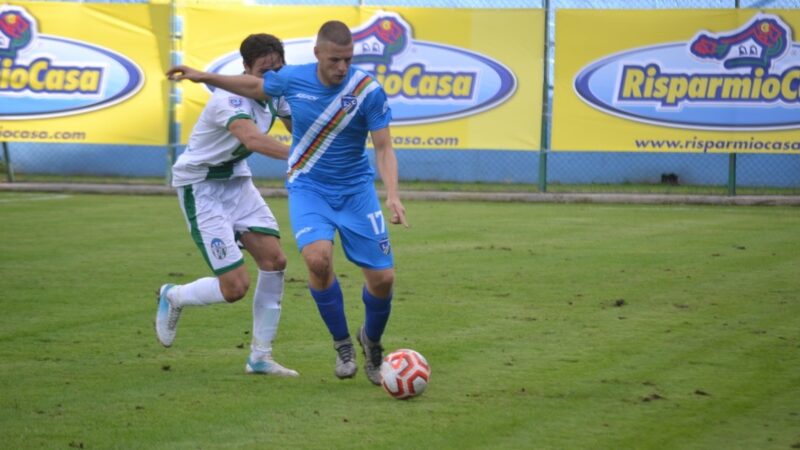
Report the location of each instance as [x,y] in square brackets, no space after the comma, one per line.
[257,45]
[336,32]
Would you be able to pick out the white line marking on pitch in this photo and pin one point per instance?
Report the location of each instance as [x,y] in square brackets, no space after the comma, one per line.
[34,198]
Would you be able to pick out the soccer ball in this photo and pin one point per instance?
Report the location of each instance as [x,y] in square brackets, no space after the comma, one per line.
[405,373]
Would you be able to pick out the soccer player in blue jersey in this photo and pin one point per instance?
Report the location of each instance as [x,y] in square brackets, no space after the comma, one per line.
[330,181]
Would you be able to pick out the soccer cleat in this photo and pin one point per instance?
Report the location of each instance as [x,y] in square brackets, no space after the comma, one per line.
[268,367]
[166,317]
[373,354]
[345,358]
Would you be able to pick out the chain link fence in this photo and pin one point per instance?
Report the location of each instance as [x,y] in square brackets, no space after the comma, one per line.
[499,169]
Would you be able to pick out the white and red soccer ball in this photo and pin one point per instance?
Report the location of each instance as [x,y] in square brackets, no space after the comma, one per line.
[405,373]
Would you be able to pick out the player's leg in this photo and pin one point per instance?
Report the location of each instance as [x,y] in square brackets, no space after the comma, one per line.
[267,298]
[325,288]
[311,218]
[366,243]
[213,234]
[377,297]
[327,294]
[257,231]
[207,210]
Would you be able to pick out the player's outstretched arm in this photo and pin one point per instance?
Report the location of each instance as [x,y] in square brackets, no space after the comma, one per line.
[244,85]
[386,161]
[249,135]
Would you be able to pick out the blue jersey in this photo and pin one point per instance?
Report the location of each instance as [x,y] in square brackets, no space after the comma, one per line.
[330,126]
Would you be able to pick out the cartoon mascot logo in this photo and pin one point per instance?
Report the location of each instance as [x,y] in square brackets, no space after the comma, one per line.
[755,45]
[17,30]
[380,40]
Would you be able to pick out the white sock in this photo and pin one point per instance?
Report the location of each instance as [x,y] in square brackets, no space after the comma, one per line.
[266,312]
[204,291]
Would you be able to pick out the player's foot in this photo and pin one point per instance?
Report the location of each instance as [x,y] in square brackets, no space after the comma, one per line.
[373,355]
[166,317]
[268,366]
[345,358]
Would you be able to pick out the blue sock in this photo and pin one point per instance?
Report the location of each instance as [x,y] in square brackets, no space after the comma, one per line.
[330,303]
[377,312]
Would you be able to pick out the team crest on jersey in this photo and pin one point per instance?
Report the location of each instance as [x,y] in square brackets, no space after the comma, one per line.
[386,248]
[235,101]
[218,248]
[349,103]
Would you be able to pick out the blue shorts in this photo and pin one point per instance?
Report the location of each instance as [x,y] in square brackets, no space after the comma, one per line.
[357,217]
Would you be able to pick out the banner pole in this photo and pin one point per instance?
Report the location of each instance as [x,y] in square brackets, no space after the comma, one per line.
[545,102]
[7,160]
[732,156]
[173,122]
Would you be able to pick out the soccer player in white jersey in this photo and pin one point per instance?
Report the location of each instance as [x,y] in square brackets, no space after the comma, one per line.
[331,183]
[223,209]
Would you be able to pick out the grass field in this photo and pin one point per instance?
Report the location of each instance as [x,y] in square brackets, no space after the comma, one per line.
[546,326]
[445,186]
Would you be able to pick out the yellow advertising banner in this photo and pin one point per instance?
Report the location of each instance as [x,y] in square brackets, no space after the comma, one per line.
[723,81]
[473,81]
[84,73]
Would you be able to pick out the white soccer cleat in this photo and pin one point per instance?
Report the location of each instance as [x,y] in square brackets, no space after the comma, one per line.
[166,317]
[268,367]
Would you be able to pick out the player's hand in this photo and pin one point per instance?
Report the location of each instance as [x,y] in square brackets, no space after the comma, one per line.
[182,72]
[398,212]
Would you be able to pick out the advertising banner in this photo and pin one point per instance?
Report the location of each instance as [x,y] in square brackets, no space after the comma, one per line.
[84,73]
[723,81]
[473,81]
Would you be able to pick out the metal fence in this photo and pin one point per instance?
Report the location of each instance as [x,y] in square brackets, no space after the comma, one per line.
[514,170]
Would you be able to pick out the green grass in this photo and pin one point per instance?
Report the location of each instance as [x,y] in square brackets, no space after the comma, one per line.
[445,186]
[547,326]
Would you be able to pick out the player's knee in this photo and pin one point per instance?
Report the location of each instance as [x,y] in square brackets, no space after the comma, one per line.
[273,263]
[269,258]
[380,283]
[235,290]
[278,262]
[318,265]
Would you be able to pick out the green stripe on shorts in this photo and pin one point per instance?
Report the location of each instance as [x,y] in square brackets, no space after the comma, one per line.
[267,231]
[222,270]
[191,215]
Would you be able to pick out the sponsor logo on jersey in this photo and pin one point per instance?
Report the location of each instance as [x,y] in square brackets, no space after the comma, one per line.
[313,98]
[235,101]
[49,76]
[424,81]
[747,78]
[302,232]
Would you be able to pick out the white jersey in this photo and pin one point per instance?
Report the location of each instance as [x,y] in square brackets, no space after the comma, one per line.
[213,152]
